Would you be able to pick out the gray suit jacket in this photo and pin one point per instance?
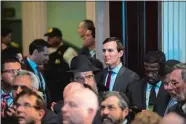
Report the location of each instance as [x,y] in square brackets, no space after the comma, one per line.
[123,78]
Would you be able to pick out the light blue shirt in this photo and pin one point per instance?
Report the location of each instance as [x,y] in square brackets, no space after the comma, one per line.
[170,104]
[149,87]
[113,76]
[34,67]
[9,101]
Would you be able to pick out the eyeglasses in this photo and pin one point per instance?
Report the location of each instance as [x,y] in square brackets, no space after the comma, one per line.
[26,106]
[12,71]
[15,87]
[82,79]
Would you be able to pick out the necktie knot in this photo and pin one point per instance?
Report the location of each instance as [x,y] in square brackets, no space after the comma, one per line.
[5,96]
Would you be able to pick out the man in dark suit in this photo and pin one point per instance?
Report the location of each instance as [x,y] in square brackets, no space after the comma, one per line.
[115,77]
[38,55]
[149,92]
[178,81]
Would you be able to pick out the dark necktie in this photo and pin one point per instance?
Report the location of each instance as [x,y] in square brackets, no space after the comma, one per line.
[41,81]
[108,79]
[152,97]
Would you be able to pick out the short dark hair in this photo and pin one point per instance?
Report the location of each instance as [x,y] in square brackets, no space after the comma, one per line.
[154,57]
[88,24]
[118,42]
[8,60]
[37,44]
[5,31]
[93,33]
[10,52]
[169,66]
[40,104]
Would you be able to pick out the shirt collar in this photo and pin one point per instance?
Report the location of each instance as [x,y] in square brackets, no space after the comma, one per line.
[149,86]
[116,69]
[32,63]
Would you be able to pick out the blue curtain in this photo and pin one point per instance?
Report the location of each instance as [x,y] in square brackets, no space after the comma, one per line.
[174,30]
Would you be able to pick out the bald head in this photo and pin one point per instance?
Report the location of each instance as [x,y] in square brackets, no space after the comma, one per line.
[80,106]
[172,118]
[73,86]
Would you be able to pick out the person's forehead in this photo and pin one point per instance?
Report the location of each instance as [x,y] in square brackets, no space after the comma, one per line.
[27,99]
[176,74]
[83,73]
[112,100]
[23,81]
[151,65]
[12,65]
[110,45]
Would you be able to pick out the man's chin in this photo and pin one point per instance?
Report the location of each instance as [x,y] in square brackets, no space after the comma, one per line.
[21,121]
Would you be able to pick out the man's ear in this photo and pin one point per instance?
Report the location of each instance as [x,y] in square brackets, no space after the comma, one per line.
[121,52]
[35,52]
[91,111]
[125,112]
[41,114]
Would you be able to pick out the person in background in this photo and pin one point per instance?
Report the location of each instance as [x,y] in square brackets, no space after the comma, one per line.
[78,108]
[172,118]
[114,108]
[168,68]
[6,39]
[38,55]
[149,92]
[6,35]
[9,68]
[58,64]
[178,81]
[30,107]
[147,117]
[115,77]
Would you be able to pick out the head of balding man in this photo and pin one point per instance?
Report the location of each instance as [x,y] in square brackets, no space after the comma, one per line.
[172,118]
[71,87]
[80,107]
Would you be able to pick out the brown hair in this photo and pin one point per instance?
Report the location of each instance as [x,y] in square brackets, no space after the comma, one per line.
[146,117]
[118,42]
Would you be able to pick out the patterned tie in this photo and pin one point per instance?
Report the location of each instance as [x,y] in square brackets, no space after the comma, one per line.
[4,98]
[108,79]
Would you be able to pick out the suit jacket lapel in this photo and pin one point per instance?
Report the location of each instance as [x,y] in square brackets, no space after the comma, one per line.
[117,83]
[144,88]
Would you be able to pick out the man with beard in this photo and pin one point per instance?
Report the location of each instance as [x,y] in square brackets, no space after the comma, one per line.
[149,93]
[168,68]
[30,107]
[10,66]
[114,108]
[178,81]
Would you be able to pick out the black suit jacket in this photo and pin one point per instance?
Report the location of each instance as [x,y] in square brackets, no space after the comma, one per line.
[136,93]
[123,78]
[28,67]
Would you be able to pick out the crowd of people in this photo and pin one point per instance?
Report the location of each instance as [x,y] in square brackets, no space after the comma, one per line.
[55,84]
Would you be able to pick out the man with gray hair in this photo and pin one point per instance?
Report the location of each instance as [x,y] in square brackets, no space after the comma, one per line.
[28,80]
[178,81]
[114,108]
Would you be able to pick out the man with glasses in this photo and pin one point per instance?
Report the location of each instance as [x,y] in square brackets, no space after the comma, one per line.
[178,81]
[168,68]
[149,93]
[28,80]
[9,67]
[30,107]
